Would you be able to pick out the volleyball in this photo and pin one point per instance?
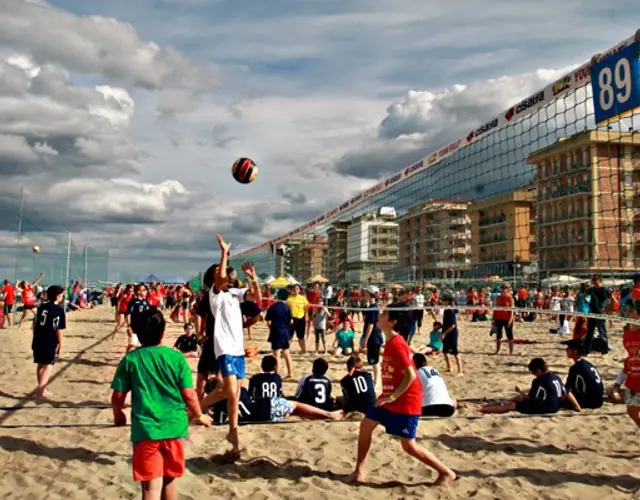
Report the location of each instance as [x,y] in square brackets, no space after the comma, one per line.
[244,170]
[36,249]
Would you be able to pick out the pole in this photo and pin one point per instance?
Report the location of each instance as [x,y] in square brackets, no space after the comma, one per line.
[86,272]
[66,282]
[19,235]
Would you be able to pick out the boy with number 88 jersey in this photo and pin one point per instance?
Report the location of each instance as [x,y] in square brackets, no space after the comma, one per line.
[267,384]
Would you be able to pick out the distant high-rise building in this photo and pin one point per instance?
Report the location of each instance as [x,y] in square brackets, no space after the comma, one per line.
[435,240]
[307,258]
[372,246]
[336,254]
[587,188]
[503,234]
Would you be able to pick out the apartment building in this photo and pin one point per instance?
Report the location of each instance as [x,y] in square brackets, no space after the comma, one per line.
[336,254]
[435,240]
[587,203]
[307,258]
[502,234]
[372,246]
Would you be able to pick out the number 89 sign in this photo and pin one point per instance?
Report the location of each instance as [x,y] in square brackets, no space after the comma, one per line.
[615,82]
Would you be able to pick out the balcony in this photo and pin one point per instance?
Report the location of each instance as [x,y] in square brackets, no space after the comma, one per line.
[492,240]
[492,221]
[459,221]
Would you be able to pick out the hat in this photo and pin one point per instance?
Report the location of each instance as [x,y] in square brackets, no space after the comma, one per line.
[575,344]
[372,290]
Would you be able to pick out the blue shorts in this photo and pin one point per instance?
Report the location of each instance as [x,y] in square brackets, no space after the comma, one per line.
[232,366]
[280,408]
[396,424]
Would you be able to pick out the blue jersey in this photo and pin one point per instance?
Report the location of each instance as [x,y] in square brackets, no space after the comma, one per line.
[49,319]
[547,392]
[359,392]
[585,383]
[371,318]
[279,317]
[265,385]
[137,309]
[315,390]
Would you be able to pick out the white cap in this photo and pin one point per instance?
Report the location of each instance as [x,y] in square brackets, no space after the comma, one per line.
[373,290]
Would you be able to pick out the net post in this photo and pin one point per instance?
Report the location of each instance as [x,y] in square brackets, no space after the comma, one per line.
[19,235]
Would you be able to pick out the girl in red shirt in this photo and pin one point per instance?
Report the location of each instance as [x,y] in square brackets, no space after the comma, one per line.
[155,297]
[123,310]
[28,298]
[503,320]
[630,373]
[399,407]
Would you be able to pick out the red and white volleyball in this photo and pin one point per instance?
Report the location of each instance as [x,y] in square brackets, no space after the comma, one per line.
[244,170]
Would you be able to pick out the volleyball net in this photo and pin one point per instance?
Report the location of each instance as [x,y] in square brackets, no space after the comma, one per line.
[545,194]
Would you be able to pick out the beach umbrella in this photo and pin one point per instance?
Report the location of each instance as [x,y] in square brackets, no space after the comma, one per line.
[317,279]
[281,282]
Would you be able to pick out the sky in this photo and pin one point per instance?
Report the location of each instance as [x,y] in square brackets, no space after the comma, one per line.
[121,119]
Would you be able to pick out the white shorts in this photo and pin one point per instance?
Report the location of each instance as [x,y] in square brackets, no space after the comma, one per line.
[346,350]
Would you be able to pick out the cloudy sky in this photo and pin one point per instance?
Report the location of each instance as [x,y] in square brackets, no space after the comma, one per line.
[121,119]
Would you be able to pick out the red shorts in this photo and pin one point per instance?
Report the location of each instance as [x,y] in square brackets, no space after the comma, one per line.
[154,459]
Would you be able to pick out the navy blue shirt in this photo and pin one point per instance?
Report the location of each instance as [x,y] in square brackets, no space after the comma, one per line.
[449,319]
[585,383]
[250,410]
[49,319]
[315,390]
[137,307]
[279,316]
[358,391]
[187,343]
[598,298]
[548,392]
[265,385]
[371,318]
[203,309]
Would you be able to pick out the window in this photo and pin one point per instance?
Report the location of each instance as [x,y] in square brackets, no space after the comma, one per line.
[628,180]
[568,161]
[585,157]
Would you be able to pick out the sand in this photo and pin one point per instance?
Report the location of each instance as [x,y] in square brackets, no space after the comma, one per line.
[68,449]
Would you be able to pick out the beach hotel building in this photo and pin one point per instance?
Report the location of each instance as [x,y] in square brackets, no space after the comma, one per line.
[587,188]
[503,234]
[372,246]
[307,259]
[336,254]
[435,240]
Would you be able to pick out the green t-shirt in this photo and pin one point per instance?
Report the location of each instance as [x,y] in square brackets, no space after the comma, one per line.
[155,376]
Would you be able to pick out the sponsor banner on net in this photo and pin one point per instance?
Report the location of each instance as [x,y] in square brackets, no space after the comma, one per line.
[575,79]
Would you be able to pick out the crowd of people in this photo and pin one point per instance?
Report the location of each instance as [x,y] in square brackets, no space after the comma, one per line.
[400,385]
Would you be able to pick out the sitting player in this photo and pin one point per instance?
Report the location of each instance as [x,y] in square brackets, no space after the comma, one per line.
[267,384]
[435,341]
[583,381]
[344,340]
[187,343]
[358,388]
[546,395]
[315,389]
[264,409]
[436,401]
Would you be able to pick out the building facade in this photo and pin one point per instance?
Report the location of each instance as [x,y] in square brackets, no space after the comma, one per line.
[307,258]
[587,203]
[372,246]
[435,240]
[502,234]
[336,254]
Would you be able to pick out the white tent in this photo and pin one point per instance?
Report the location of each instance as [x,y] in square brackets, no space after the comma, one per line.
[562,280]
[292,280]
[612,282]
[268,280]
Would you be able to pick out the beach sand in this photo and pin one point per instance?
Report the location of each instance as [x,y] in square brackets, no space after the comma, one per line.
[68,448]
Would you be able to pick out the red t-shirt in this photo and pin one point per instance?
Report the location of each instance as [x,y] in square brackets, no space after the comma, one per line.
[502,301]
[124,303]
[28,298]
[313,297]
[396,358]
[154,299]
[9,294]
[631,342]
